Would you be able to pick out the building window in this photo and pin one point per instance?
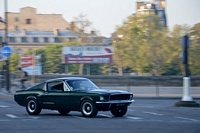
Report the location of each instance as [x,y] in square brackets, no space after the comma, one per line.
[18,51]
[23,39]
[56,39]
[46,39]
[11,39]
[16,28]
[161,14]
[16,19]
[35,39]
[1,40]
[28,21]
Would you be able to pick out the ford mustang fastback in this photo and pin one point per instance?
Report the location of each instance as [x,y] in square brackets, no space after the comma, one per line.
[73,94]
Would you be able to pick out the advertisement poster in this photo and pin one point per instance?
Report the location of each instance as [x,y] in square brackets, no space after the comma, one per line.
[31,65]
[87,55]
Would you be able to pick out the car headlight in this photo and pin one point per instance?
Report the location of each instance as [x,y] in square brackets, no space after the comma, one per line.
[131,96]
[102,98]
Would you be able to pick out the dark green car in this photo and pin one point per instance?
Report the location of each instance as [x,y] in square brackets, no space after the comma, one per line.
[73,94]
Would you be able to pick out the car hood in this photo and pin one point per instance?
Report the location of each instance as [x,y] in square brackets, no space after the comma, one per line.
[102,91]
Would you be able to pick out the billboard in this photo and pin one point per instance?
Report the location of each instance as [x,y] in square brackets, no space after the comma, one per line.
[30,65]
[87,55]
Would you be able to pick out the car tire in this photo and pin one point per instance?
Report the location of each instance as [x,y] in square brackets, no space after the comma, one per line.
[118,112]
[88,109]
[63,112]
[32,107]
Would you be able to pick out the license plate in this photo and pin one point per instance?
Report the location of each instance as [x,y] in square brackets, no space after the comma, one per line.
[120,104]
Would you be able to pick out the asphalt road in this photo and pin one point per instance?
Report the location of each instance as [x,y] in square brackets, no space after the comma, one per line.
[143,116]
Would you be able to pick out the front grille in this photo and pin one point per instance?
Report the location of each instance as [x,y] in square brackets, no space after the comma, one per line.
[120,97]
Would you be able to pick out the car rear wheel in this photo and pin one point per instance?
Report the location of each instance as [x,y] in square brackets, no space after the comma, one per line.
[32,107]
[88,109]
[63,112]
[118,112]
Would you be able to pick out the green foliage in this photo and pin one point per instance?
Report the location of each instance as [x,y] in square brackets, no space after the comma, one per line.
[52,58]
[143,46]
[14,63]
[147,47]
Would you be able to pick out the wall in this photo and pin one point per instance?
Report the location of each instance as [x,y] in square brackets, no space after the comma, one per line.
[130,80]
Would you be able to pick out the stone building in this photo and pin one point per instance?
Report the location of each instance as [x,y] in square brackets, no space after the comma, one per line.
[28,19]
[29,30]
[154,6]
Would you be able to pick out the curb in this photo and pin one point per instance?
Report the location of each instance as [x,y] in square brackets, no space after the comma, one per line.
[164,98]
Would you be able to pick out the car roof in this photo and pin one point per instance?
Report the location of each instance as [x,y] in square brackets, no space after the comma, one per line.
[65,78]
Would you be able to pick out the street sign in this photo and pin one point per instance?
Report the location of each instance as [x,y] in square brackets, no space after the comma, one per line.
[6,51]
[183,58]
[2,58]
[185,42]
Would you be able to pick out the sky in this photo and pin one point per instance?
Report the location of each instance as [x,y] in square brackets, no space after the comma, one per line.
[105,15]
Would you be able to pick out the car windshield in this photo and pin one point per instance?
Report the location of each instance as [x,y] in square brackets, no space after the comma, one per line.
[81,84]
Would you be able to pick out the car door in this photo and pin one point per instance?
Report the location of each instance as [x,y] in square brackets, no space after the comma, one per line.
[55,96]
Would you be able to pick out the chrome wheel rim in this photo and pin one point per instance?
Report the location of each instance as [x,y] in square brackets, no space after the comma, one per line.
[87,108]
[31,106]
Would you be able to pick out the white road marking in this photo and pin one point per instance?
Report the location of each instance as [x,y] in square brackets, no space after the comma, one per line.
[78,117]
[105,115]
[4,120]
[151,113]
[141,107]
[33,117]
[186,118]
[131,110]
[2,106]
[11,116]
[134,118]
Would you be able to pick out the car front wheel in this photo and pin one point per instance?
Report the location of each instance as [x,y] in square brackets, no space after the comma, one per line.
[63,112]
[32,107]
[118,112]
[88,109]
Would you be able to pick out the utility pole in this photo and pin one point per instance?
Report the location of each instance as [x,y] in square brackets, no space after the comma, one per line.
[6,43]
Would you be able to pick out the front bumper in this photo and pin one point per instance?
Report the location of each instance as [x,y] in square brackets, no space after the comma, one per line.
[105,106]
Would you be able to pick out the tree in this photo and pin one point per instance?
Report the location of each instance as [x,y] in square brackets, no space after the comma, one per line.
[174,49]
[14,63]
[82,23]
[194,50]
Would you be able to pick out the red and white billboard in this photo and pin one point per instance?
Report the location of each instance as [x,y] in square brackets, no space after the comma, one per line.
[87,55]
[30,65]
[26,61]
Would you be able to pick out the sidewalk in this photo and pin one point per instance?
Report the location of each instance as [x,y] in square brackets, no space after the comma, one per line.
[5,93]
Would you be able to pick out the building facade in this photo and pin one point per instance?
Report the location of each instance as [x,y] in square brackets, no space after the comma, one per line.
[154,6]
[28,19]
[29,30]
[22,41]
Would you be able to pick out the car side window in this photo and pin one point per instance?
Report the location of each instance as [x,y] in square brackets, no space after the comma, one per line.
[55,86]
